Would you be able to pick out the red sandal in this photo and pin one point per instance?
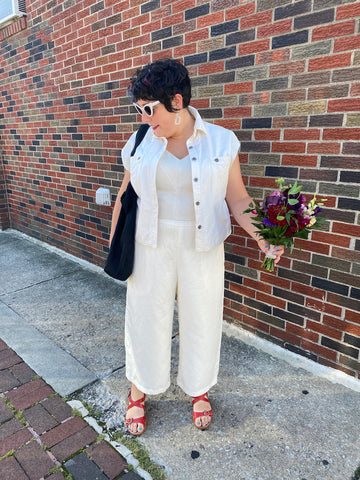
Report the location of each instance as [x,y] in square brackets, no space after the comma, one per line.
[140,420]
[205,413]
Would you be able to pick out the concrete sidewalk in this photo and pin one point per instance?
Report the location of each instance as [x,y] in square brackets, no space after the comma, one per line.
[276,416]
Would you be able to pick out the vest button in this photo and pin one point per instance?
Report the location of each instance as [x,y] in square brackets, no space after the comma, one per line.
[195,179]
[199,227]
[193,159]
[197,203]
[216,159]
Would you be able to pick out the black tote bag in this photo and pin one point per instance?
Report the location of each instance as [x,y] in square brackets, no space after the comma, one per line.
[120,260]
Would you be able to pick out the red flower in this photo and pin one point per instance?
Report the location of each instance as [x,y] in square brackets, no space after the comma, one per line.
[275,211]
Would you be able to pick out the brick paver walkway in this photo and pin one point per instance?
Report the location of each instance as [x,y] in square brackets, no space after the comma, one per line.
[39,436]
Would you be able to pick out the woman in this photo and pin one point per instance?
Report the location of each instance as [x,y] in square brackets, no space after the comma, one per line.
[186,173]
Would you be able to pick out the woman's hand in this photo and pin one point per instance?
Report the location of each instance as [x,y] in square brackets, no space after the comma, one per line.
[275,250]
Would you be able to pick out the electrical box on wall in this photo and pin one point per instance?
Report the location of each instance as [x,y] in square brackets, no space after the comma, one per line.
[103,196]
[10,10]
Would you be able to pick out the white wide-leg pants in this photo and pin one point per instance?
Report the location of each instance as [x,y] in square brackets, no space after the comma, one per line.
[197,278]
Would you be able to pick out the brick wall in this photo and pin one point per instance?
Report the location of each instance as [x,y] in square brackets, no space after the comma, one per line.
[284,75]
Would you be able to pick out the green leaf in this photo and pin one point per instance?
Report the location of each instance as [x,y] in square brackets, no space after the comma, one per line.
[280,217]
[292,201]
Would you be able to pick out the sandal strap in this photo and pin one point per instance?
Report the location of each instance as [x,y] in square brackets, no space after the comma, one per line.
[136,403]
[203,397]
[205,413]
[129,421]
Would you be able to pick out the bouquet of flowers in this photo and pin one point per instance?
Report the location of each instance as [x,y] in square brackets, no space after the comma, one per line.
[283,216]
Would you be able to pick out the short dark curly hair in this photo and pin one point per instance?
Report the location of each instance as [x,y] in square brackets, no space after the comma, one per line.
[161,80]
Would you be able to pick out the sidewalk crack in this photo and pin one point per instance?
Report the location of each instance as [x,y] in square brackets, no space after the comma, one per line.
[36,284]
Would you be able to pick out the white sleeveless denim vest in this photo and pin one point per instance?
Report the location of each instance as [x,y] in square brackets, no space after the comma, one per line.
[212,151]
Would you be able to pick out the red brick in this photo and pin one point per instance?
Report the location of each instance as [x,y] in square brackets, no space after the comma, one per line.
[241,11]
[288,147]
[213,67]
[74,443]
[261,18]
[173,20]
[14,441]
[345,254]
[352,316]
[10,427]
[238,88]
[271,300]
[208,20]
[8,358]
[256,324]
[107,459]
[309,291]
[11,470]
[346,229]
[286,336]
[344,105]
[290,122]
[335,30]
[30,393]
[326,237]
[348,11]
[302,332]
[7,381]
[349,43]
[296,160]
[341,134]
[319,350]
[322,307]
[34,460]
[233,124]
[57,407]
[324,329]
[242,290]
[323,148]
[258,286]
[355,90]
[267,134]
[39,419]
[23,372]
[65,430]
[287,68]
[332,61]
[254,47]
[275,28]
[302,134]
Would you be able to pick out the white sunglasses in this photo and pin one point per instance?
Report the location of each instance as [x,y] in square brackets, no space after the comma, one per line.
[147,109]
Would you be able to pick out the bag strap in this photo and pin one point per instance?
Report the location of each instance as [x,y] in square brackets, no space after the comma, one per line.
[140,134]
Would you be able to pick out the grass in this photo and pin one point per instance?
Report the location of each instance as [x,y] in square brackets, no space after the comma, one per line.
[356,475]
[140,454]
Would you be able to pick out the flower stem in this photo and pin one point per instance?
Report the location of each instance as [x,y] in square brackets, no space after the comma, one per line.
[268,264]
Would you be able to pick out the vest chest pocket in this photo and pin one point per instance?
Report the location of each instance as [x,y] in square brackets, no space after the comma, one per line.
[220,169]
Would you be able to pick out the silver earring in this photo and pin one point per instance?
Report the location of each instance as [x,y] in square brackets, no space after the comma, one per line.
[177,119]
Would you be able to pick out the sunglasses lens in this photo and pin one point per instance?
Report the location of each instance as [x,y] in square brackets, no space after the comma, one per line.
[138,109]
[148,110]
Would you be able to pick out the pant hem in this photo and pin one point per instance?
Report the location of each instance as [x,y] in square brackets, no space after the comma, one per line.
[196,393]
[148,391]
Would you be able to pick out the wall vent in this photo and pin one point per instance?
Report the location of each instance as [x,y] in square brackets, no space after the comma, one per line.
[10,10]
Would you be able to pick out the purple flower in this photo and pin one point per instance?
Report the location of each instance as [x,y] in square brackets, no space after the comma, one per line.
[302,199]
[267,222]
[272,200]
